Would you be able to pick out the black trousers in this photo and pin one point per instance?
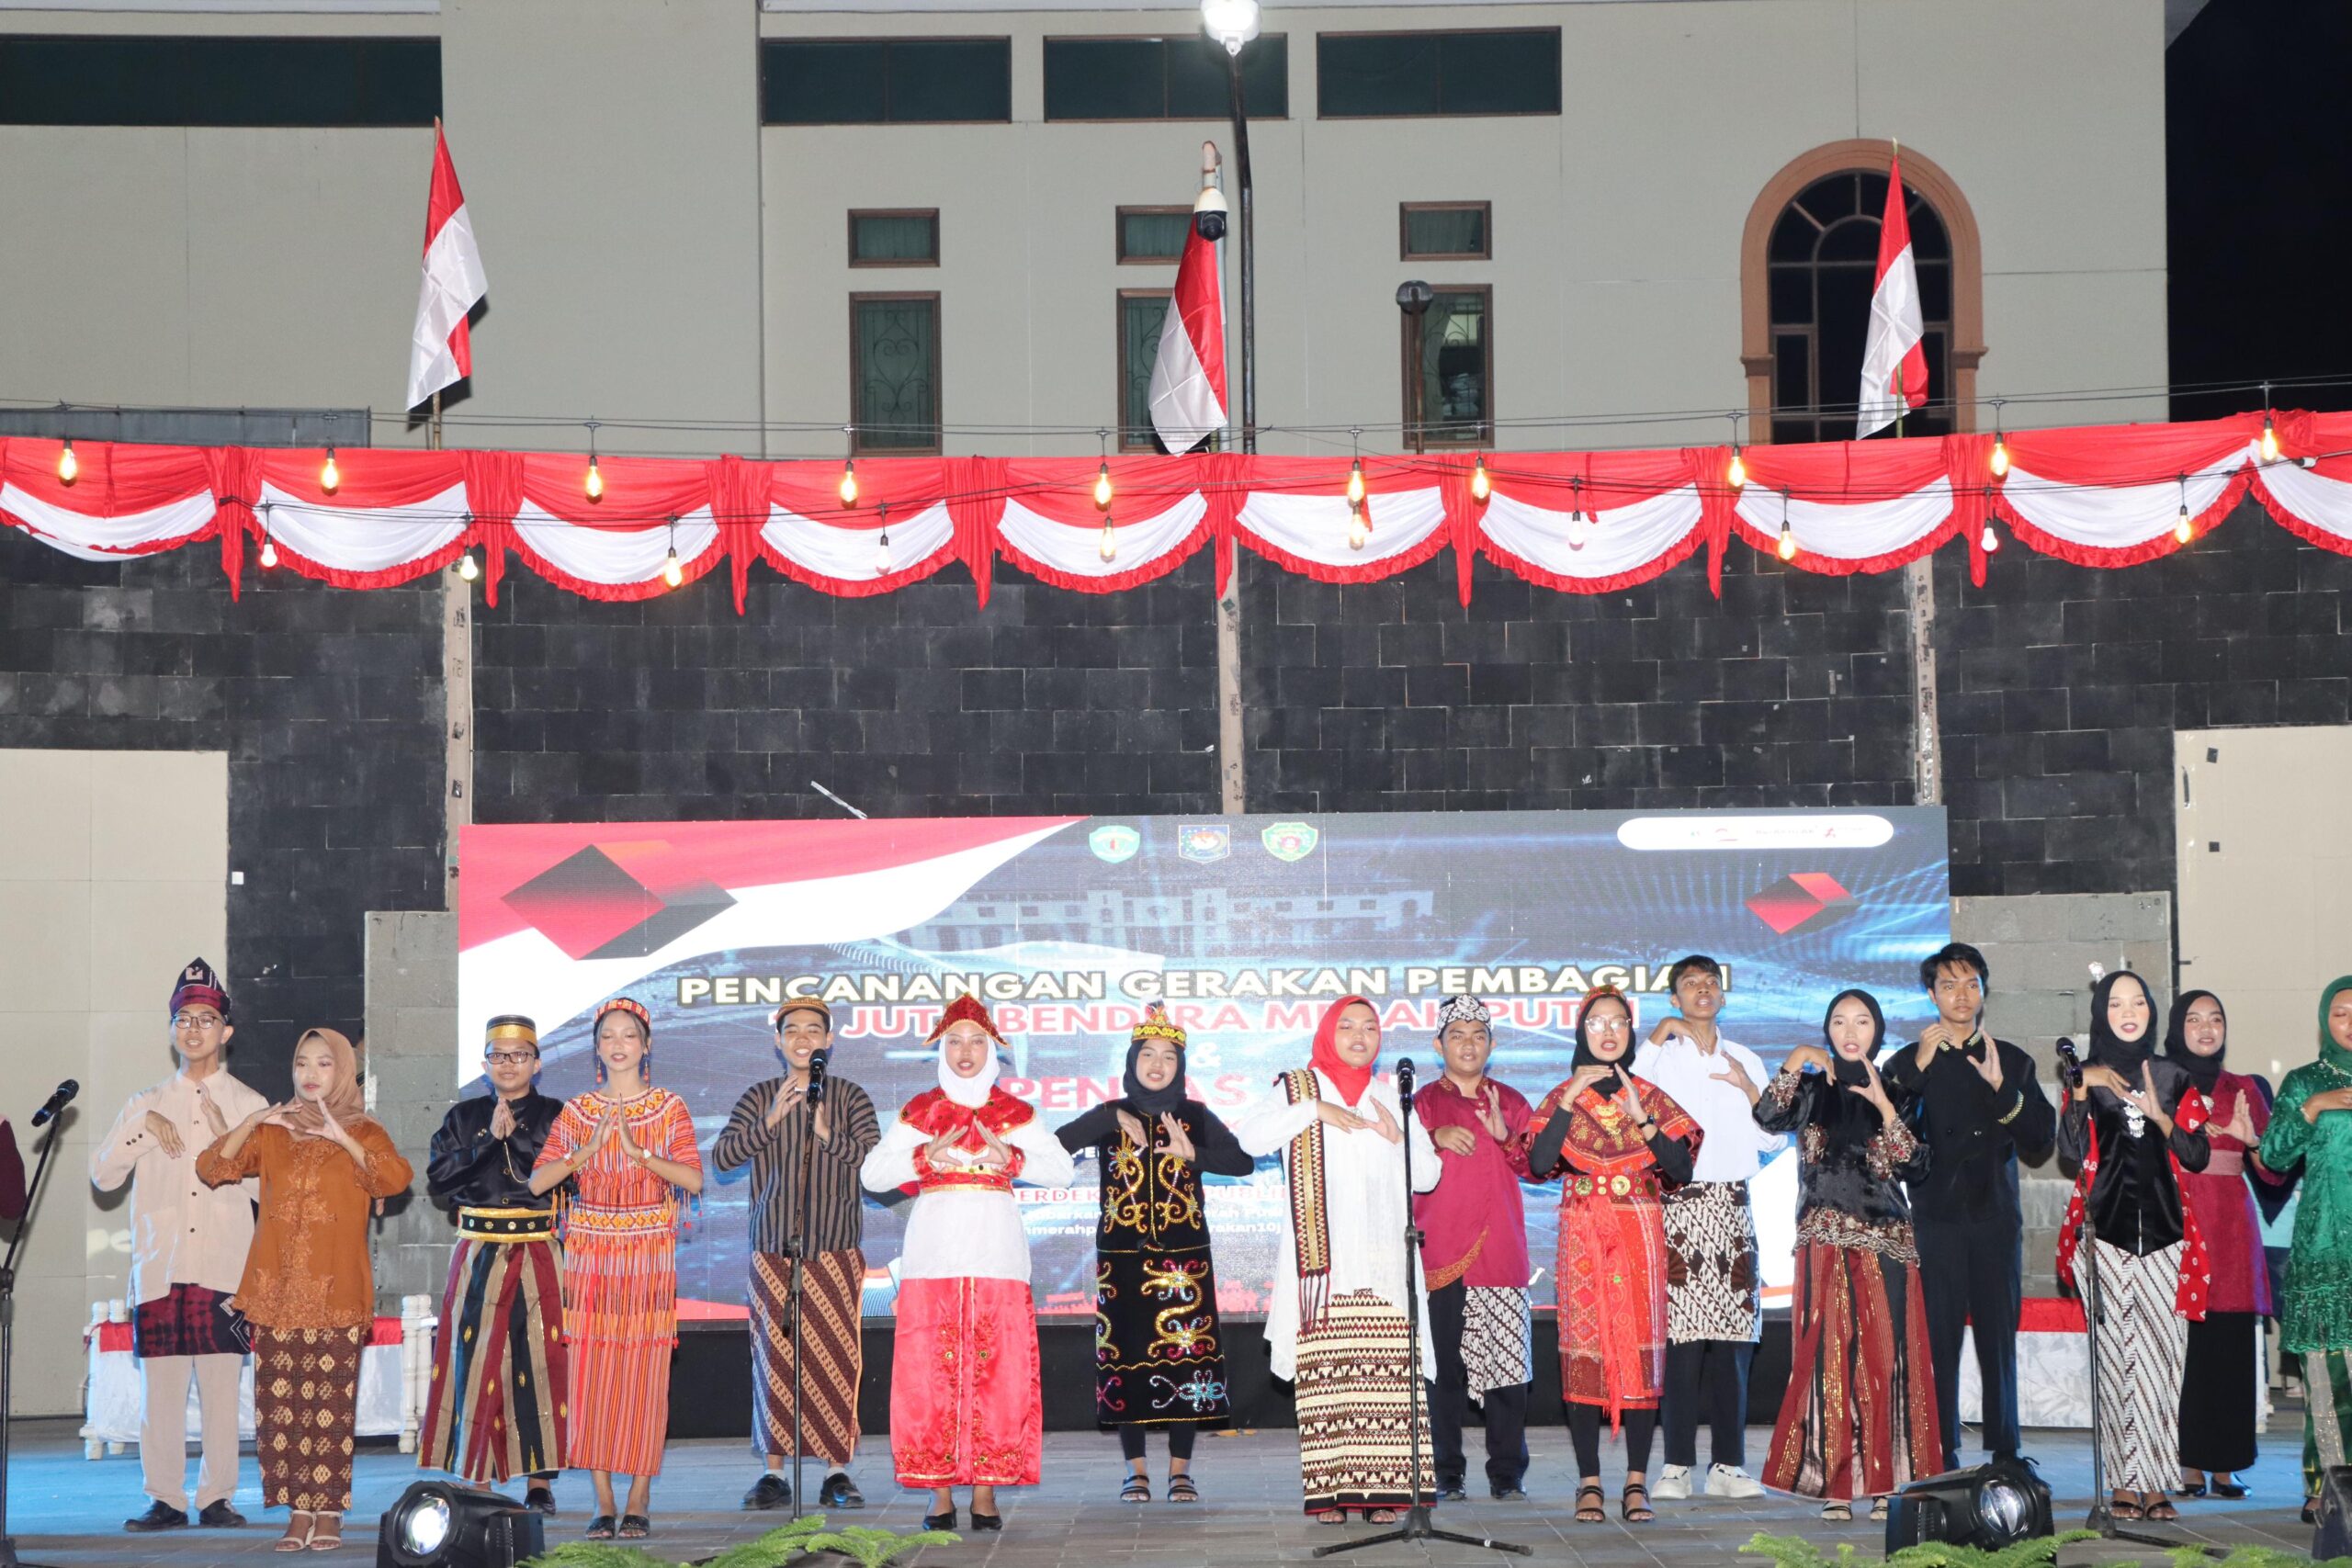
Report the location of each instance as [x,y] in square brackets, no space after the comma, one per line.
[1584,1432]
[1971,1270]
[1709,1375]
[1506,1408]
[1179,1440]
[2220,1402]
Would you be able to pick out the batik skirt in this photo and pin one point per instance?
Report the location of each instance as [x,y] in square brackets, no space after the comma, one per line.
[1356,1382]
[1858,1418]
[832,1356]
[2142,1341]
[306,1412]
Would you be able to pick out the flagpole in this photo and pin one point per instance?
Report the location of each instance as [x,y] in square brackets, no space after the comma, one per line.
[433,431]
[1894,170]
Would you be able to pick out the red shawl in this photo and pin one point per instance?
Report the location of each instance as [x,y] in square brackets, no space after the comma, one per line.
[931,1113]
[2196,1268]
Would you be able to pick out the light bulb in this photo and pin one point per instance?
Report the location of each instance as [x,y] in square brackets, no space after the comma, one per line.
[1988,541]
[594,484]
[2270,440]
[882,555]
[1102,486]
[1737,475]
[2000,457]
[1109,548]
[2183,528]
[1579,529]
[1787,548]
[268,551]
[329,475]
[68,467]
[849,482]
[1359,530]
[1355,484]
[1481,486]
[468,568]
[672,572]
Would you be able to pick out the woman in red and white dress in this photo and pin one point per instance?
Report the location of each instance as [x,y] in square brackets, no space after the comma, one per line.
[964,1405]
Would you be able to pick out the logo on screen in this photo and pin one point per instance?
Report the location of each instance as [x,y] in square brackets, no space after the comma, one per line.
[1801,898]
[1114,843]
[1203,842]
[1290,840]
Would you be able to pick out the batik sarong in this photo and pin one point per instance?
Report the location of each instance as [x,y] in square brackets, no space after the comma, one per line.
[1711,1274]
[833,1357]
[306,1407]
[2143,1341]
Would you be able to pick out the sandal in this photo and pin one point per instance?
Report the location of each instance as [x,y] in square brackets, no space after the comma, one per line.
[1182,1490]
[2231,1489]
[1136,1490]
[1332,1517]
[1381,1516]
[2124,1507]
[1595,1512]
[327,1537]
[1836,1513]
[1878,1510]
[600,1527]
[635,1527]
[2161,1510]
[1634,1513]
[290,1542]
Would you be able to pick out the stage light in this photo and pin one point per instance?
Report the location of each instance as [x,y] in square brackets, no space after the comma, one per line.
[1991,1506]
[438,1524]
[594,484]
[2270,440]
[1735,475]
[68,467]
[468,568]
[268,551]
[1355,483]
[1481,486]
[1359,527]
[1102,486]
[849,482]
[329,475]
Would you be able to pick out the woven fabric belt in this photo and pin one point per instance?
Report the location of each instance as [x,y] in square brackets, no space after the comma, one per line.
[1643,1184]
[506,1225]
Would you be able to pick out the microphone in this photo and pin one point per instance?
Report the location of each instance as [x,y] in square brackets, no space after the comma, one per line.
[2070,1065]
[56,1102]
[818,1062]
[1405,1078]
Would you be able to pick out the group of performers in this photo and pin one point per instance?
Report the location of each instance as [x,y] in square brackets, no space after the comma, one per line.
[555,1339]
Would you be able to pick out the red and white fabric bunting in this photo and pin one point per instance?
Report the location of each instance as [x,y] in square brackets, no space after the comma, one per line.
[1575,522]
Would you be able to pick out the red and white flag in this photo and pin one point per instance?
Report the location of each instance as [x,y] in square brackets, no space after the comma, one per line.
[439,352]
[1894,365]
[1188,378]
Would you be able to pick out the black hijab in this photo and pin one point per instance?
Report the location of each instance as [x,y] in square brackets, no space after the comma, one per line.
[1842,1072]
[1152,1103]
[1586,1056]
[2203,1071]
[2108,1050]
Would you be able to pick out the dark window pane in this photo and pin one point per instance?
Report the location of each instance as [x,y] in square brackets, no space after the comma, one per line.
[1855,239]
[1152,236]
[1928,237]
[1935,289]
[1830,200]
[1445,231]
[219,80]
[1140,320]
[1198,87]
[1102,78]
[1454,362]
[1844,297]
[1792,367]
[1933,343]
[1791,293]
[1375,74]
[1870,190]
[1788,431]
[825,81]
[938,80]
[1794,236]
[894,236]
[895,344]
[1502,73]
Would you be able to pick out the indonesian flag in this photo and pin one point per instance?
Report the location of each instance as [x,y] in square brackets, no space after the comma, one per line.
[439,351]
[1188,378]
[1894,367]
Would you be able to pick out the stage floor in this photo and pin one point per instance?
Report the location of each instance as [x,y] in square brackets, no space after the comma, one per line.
[66,1509]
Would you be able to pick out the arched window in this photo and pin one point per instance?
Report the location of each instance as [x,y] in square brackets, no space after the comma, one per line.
[1807,264]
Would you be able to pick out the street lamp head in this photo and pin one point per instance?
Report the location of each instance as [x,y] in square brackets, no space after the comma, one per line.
[1231,22]
[1415,297]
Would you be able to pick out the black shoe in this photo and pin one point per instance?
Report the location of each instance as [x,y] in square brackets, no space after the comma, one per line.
[1507,1494]
[945,1521]
[219,1516]
[840,1492]
[770,1491]
[159,1515]
[987,1521]
[1451,1492]
[539,1499]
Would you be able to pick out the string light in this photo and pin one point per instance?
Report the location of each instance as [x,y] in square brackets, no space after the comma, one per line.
[1355,471]
[329,475]
[1787,548]
[672,572]
[1735,475]
[1102,474]
[1988,541]
[468,568]
[1359,526]
[594,484]
[2269,430]
[1481,486]
[882,550]
[1579,530]
[1109,548]
[68,467]
[2000,443]
[849,470]
[2184,528]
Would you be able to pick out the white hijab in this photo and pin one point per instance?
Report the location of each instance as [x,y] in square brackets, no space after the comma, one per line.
[973,1092]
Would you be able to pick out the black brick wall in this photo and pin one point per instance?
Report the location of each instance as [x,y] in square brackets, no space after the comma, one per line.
[329,706]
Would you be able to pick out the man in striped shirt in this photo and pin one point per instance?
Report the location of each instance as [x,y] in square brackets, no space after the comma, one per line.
[788,1135]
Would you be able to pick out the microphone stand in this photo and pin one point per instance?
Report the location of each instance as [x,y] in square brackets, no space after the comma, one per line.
[796,1248]
[8,1558]
[1416,1525]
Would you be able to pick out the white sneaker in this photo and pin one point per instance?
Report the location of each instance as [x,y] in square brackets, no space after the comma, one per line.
[1730,1481]
[1672,1486]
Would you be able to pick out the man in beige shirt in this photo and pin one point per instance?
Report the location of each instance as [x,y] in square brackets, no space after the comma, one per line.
[187,1248]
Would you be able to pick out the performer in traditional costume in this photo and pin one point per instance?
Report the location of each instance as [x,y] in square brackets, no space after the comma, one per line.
[2134,1128]
[1715,1303]
[1158,1347]
[629,1148]
[1335,1317]
[775,1131]
[1615,1141]
[1473,1228]
[188,1253]
[2312,1127]
[497,1408]
[308,1288]
[1858,1419]
[2221,1384]
[965,1401]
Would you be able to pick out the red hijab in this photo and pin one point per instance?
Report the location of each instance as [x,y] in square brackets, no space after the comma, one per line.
[1353,1081]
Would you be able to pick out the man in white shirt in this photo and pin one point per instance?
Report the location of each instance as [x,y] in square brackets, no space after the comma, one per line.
[187,1248]
[1713,1302]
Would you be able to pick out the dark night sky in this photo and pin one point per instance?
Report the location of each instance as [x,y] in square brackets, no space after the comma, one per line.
[2258,140]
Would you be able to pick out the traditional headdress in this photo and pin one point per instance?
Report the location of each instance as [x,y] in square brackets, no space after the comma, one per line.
[1353,1080]
[198,983]
[972,1092]
[636,1010]
[1586,1056]
[1154,1102]
[1462,1009]
[511,1029]
[342,1096]
[2203,1071]
[800,1004]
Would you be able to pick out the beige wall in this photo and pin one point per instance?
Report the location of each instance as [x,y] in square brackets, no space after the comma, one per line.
[113,875]
[652,254]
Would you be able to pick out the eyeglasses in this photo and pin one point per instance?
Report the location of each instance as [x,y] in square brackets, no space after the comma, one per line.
[509,1058]
[196,1021]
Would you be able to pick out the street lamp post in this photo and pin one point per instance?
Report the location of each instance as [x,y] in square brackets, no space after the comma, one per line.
[1414,298]
[1234,22]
